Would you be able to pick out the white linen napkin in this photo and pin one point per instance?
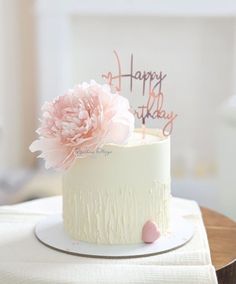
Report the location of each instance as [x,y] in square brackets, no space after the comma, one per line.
[23,259]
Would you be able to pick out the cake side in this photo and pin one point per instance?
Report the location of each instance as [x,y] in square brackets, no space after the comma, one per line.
[108,198]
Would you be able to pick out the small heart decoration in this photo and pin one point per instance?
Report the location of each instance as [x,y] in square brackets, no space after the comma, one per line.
[150,232]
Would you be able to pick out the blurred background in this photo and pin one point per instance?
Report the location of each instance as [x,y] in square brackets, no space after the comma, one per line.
[48,46]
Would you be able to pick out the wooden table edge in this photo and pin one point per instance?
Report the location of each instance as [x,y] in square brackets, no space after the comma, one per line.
[223,250]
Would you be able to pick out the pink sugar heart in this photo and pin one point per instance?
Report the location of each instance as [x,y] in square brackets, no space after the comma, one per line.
[150,232]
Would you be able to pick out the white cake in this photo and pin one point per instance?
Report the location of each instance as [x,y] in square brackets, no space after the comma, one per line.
[116,186]
[109,196]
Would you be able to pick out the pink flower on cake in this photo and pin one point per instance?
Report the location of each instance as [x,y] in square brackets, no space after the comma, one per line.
[78,123]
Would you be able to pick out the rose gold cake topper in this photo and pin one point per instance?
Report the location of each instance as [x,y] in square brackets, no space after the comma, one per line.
[151,82]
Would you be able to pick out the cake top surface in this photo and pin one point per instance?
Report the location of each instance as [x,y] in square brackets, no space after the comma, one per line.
[142,137]
[138,138]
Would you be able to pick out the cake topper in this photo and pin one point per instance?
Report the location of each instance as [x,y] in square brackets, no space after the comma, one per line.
[151,82]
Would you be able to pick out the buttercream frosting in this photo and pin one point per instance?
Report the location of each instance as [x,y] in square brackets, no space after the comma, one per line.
[107,199]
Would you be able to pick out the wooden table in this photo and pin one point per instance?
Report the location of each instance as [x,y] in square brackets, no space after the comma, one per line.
[221,232]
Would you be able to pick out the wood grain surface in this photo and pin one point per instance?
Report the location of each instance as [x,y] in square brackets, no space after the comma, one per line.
[221,232]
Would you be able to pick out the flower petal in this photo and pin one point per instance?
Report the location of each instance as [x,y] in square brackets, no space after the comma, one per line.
[53,152]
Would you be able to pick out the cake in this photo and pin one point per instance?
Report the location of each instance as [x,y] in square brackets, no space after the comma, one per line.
[108,198]
[116,180]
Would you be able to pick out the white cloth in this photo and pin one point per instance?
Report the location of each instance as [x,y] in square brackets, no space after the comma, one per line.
[23,259]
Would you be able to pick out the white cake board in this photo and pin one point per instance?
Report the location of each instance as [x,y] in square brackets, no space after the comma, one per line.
[50,231]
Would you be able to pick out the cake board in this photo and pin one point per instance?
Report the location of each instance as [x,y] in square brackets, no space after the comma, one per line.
[50,232]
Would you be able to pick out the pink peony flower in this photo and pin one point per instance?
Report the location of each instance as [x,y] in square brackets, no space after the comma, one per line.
[81,121]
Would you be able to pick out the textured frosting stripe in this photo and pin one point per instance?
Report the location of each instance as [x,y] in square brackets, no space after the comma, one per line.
[114,218]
